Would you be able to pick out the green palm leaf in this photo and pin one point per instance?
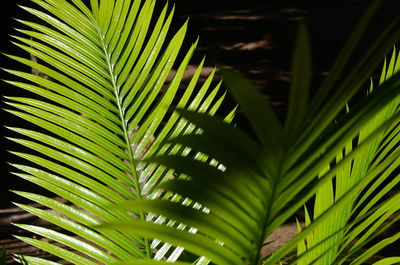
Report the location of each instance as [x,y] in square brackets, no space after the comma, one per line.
[346,179]
[261,181]
[102,100]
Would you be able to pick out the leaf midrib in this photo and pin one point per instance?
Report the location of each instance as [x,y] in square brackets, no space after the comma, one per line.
[121,113]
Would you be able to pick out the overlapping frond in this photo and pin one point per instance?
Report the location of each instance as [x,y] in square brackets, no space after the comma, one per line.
[103,104]
[262,181]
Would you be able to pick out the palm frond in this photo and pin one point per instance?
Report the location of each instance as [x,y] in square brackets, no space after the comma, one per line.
[346,179]
[105,108]
[102,104]
[261,181]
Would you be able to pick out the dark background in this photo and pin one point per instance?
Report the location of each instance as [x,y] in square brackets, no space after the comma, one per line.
[254,37]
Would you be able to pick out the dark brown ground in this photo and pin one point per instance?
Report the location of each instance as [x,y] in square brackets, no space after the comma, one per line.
[253,37]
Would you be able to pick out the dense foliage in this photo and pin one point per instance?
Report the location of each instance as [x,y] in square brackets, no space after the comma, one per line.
[149,186]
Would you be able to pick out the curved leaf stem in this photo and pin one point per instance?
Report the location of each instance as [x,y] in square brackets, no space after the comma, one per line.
[264,223]
[127,139]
